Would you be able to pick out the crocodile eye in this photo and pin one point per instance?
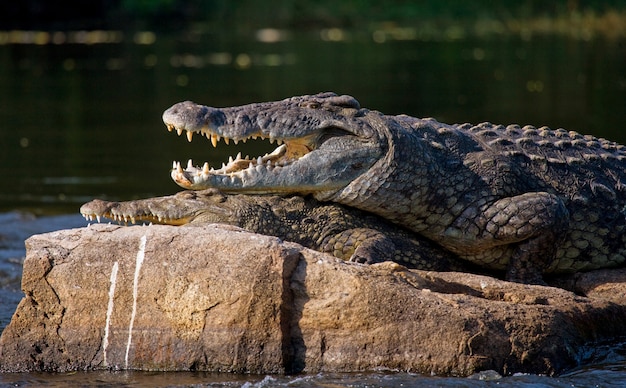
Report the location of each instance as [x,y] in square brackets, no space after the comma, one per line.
[310,104]
[187,194]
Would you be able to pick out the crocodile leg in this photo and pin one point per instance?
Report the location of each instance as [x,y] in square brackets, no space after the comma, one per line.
[360,245]
[527,228]
[369,246]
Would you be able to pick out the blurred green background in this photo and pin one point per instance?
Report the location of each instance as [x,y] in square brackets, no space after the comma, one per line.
[83,84]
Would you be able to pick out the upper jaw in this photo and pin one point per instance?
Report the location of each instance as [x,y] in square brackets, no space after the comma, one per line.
[194,118]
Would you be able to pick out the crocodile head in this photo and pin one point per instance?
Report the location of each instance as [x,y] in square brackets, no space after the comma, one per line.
[185,207]
[324,143]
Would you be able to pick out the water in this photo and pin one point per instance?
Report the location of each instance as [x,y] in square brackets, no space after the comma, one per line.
[80,117]
[599,377]
[82,120]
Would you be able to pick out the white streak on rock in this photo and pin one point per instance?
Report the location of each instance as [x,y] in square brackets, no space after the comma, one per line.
[105,340]
[139,262]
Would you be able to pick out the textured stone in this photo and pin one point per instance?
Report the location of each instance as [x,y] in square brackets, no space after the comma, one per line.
[216,298]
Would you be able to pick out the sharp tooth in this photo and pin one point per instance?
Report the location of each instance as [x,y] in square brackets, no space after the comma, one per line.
[179,131]
[259,160]
[205,168]
[97,218]
[280,150]
[189,164]
[214,140]
[226,140]
[251,165]
[236,141]
[230,160]
[132,220]
[245,140]
[223,166]
[174,165]
[238,156]
[189,136]
[272,140]
[179,169]
[170,127]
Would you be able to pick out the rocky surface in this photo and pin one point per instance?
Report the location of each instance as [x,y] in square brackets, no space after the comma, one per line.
[216,298]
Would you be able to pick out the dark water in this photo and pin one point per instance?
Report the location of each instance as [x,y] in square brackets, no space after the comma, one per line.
[80,117]
[81,120]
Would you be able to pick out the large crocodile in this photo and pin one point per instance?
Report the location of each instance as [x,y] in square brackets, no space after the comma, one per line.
[525,200]
[346,233]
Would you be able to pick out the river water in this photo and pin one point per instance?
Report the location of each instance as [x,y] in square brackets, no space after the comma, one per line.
[80,117]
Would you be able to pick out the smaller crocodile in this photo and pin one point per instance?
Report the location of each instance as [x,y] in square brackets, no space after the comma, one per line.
[346,233]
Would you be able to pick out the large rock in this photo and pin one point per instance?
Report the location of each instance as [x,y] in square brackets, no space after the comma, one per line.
[219,299]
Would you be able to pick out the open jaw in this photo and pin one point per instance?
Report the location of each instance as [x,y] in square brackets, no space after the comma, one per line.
[323,159]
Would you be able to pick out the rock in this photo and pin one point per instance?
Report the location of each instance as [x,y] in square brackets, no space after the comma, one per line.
[217,298]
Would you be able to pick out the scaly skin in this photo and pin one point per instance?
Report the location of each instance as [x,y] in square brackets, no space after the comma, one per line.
[528,200]
[346,233]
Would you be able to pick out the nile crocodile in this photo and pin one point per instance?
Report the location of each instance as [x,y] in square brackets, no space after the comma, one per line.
[525,200]
[346,233]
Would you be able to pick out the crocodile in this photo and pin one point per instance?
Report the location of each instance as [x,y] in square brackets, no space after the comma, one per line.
[345,233]
[524,200]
